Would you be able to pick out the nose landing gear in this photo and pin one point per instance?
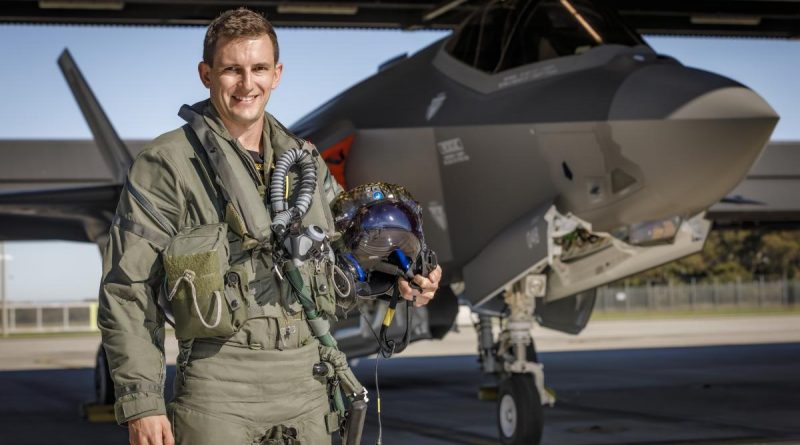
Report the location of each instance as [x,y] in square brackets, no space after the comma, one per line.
[512,361]
[520,416]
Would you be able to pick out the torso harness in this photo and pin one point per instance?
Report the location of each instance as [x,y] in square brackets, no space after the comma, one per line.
[293,246]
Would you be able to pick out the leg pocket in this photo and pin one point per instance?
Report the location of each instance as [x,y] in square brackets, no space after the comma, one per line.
[313,431]
[192,427]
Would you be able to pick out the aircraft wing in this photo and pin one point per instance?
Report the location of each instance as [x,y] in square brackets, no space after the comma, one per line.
[73,214]
[64,189]
[768,194]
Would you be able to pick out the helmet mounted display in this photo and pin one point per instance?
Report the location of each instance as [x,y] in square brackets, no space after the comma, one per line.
[381,228]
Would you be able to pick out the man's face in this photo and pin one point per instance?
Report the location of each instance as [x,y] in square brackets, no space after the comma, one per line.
[243,75]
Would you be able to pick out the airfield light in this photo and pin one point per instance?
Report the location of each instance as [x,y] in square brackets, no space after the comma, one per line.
[720,19]
[108,5]
[582,21]
[442,9]
[318,8]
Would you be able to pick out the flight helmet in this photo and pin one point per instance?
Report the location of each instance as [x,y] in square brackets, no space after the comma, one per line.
[381,228]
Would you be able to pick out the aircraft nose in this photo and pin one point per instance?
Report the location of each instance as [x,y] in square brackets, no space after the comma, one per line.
[694,135]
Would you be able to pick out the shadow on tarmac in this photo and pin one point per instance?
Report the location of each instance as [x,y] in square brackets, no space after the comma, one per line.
[717,394]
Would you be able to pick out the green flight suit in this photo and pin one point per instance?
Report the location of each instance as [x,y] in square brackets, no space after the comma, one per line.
[256,386]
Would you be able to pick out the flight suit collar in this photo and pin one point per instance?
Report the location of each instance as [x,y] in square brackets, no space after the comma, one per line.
[276,137]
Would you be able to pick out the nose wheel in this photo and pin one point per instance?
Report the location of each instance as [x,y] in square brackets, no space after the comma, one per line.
[520,417]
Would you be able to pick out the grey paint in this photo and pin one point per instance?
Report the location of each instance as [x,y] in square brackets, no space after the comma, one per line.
[487,83]
[503,180]
[374,157]
[502,145]
[40,161]
[116,154]
[641,95]
[510,253]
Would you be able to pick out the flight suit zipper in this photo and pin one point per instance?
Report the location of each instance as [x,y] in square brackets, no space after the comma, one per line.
[248,162]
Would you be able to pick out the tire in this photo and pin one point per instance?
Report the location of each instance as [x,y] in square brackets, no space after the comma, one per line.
[103,385]
[520,418]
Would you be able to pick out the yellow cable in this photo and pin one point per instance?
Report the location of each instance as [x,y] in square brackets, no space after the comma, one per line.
[387,319]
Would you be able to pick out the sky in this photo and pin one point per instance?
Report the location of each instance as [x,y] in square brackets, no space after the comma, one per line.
[142,75]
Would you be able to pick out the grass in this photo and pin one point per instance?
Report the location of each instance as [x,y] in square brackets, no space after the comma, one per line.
[597,315]
[699,312]
[53,334]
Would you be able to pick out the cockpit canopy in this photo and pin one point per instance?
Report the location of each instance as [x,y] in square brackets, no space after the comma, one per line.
[507,34]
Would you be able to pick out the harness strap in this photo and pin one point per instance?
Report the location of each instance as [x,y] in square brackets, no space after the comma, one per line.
[245,199]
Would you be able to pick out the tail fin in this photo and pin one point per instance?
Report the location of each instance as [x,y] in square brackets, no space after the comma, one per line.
[114,152]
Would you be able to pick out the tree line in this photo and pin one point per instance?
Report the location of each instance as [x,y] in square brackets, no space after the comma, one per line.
[731,254]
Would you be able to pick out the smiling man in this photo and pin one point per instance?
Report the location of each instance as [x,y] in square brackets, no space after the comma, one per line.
[191,242]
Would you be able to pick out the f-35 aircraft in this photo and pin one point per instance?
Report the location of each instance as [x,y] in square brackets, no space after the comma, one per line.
[552,150]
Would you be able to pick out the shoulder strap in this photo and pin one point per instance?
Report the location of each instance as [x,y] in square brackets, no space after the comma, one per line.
[244,199]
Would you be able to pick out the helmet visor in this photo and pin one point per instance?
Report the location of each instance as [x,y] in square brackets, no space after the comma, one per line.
[377,244]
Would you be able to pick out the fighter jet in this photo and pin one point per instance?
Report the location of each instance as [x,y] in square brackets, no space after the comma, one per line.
[553,151]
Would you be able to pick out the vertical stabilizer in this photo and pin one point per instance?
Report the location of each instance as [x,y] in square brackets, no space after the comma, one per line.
[114,151]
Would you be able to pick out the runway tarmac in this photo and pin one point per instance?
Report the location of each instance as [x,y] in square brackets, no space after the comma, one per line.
[724,394]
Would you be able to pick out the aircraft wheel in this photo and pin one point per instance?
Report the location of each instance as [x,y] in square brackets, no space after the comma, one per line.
[103,385]
[520,418]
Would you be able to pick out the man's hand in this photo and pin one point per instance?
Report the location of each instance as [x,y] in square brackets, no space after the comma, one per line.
[428,286]
[151,430]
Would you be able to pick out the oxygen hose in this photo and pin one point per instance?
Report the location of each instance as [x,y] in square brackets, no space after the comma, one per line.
[283,217]
[283,214]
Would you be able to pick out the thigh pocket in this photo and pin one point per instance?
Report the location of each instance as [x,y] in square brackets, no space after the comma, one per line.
[314,431]
[193,427]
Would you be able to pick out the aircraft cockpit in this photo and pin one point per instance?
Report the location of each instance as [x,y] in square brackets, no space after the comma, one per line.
[506,35]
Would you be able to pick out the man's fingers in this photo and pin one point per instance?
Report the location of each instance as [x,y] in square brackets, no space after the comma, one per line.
[167,437]
[424,298]
[421,281]
[406,291]
[152,430]
[436,275]
[427,287]
[166,429]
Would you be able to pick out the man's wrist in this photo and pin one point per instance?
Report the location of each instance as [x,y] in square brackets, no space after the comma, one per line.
[137,405]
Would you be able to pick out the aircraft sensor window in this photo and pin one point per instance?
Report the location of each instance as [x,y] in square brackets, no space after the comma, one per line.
[507,34]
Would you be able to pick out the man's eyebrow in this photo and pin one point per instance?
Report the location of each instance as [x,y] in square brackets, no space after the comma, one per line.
[256,65]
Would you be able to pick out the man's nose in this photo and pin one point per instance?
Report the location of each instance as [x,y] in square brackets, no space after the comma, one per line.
[247,79]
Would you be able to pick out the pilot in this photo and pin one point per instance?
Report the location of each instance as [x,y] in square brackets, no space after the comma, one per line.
[246,349]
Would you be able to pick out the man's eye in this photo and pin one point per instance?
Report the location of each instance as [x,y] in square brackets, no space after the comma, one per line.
[229,69]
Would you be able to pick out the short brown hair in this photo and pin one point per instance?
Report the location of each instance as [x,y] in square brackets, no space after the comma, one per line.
[235,23]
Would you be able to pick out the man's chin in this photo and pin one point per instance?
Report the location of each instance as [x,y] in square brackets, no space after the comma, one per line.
[249,117]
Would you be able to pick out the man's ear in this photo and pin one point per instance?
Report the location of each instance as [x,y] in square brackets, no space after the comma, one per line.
[277,79]
[204,70]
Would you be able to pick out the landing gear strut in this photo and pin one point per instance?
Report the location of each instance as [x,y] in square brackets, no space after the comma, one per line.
[512,361]
[103,385]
